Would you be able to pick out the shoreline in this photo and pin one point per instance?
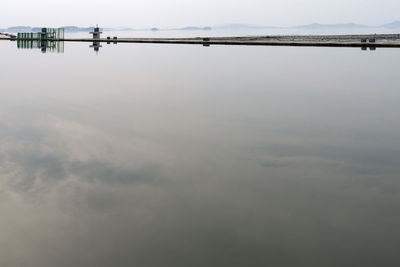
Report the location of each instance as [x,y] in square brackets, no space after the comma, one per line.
[368,40]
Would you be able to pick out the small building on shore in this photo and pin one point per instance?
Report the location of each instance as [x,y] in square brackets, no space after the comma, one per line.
[96,33]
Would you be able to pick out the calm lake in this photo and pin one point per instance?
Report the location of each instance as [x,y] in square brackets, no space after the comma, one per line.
[179,155]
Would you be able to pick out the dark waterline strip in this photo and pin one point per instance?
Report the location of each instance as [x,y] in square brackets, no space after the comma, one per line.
[367,41]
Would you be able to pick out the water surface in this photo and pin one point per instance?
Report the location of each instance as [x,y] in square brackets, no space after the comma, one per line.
[174,155]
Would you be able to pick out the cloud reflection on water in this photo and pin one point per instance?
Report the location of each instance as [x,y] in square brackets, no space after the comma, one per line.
[111,212]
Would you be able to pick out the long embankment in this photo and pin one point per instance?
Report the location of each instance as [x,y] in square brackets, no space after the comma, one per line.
[383,40]
[375,40]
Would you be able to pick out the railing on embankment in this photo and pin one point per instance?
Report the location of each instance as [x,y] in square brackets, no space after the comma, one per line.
[47,34]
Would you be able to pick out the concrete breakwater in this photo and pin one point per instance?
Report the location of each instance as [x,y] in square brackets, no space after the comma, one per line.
[3,36]
[384,40]
[375,40]
[7,36]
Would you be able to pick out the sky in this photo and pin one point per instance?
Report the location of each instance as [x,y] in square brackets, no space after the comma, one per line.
[175,13]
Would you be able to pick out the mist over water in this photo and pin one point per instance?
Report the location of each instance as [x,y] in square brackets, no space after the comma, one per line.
[233,32]
[174,155]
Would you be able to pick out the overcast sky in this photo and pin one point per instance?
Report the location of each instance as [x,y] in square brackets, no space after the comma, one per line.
[170,13]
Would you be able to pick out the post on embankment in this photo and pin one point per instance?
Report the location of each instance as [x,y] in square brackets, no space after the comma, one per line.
[96,33]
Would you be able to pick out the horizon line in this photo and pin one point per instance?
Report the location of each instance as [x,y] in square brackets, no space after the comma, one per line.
[222,26]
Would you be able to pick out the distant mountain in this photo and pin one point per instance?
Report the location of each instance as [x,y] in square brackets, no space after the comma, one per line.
[118,29]
[331,26]
[77,29]
[393,25]
[35,29]
[193,28]
[243,27]
[232,27]
[38,29]
[19,29]
[66,29]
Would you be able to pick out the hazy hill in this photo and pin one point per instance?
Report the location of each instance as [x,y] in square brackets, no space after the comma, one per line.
[233,27]
[19,29]
[38,29]
[192,28]
[243,27]
[77,29]
[313,26]
[393,25]
[331,26]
